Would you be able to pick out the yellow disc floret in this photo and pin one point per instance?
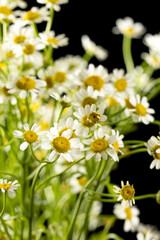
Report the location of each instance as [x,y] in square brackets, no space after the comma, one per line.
[120,84]
[116,146]
[28,49]
[61,144]
[19,39]
[60,77]
[99,145]
[26,83]
[88,101]
[5,10]
[127,192]
[157,155]
[128,213]
[50,81]
[5,186]
[30,136]
[141,110]
[31,16]
[52,41]
[95,81]
[52,1]
[82,180]
[91,119]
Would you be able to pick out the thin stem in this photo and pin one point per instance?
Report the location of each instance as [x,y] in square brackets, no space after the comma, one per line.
[27,109]
[118,121]
[60,114]
[34,156]
[12,175]
[133,152]
[156,122]
[7,144]
[113,236]
[145,196]
[35,29]
[116,113]
[87,57]
[127,55]
[133,141]
[4,205]
[50,21]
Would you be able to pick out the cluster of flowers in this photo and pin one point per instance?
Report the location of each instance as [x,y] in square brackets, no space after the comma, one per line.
[68,110]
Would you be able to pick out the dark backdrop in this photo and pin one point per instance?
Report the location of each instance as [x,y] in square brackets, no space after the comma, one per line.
[96,18]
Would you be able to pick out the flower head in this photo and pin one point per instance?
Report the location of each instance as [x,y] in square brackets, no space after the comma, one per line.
[9,187]
[153,147]
[53,3]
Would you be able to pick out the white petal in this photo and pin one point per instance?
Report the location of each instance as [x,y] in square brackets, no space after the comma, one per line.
[18,134]
[23,94]
[26,126]
[67,133]
[52,156]
[68,157]
[23,146]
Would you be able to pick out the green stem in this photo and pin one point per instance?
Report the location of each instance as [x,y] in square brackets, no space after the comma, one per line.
[87,57]
[5,228]
[58,174]
[35,29]
[5,29]
[27,109]
[153,93]
[32,199]
[116,113]
[34,156]
[50,21]
[113,236]
[78,204]
[60,114]
[133,152]
[127,55]
[7,144]
[118,121]
[4,205]
[133,141]
[12,175]
[145,196]
[156,122]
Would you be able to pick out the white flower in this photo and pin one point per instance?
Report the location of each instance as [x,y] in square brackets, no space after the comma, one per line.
[53,3]
[152,58]
[55,41]
[24,85]
[139,109]
[17,3]
[92,49]
[153,147]
[129,214]
[125,193]
[30,136]
[64,100]
[6,11]
[9,187]
[89,117]
[63,147]
[77,182]
[118,143]
[153,42]
[99,146]
[127,27]
[147,232]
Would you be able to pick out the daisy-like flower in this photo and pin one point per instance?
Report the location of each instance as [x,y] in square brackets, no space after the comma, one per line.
[118,143]
[5,96]
[139,109]
[18,3]
[152,58]
[89,117]
[6,11]
[127,27]
[92,49]
[64,100]
[24,85]
[153,42]
[35,14]
[99,146]
[121,85]
[125,193]
[63,147]
[50,39]
[53,3]
[97,77]
[48,76]
[147,232]
[30,136]
[129,214]
[153,147]
[87,96]
[77,182]
[9,187]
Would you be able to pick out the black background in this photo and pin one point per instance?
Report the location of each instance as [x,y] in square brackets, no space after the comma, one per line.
[96,18]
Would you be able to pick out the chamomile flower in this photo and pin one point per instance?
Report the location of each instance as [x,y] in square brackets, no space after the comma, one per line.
[127,27]
[77,182]
[92,49]
[87,96]
[97,77]
[153,42]
[153,147]
[53,3]
[34,15]
[50,39]
[152,58]
[63,147]
[139,109]
[30,136]
[64,100]
[125,193]
[88,118]
[129,215]
[6,11]
[121,85]
[23,85]
[5,96]
[18,3]
[147,232]
[99,146]
[117,139]
[9,187]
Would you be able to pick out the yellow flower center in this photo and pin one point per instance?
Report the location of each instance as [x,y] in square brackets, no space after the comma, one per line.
[5,186]
[28,49]
[141,110]
[52,1]
[155,59]
[120,84]
[128,104]
[113,101]
[128,213]
[129,31]
[30,136]
[60,77]
[31,16]
[157,155]
[50,81]
[3,65]
[95,81]
[127,192]
[61,144]
[19,39]
[26,83]
[91,119]
[99,145]
[82,180]
[64,129]
[44,125]
[4,90]
[10,54]
[5,10]
[34,106]
[88,101]
[116,146]
[52,41]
